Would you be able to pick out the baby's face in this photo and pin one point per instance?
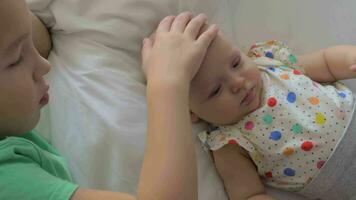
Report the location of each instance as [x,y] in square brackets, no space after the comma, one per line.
[22,88]
[227,87]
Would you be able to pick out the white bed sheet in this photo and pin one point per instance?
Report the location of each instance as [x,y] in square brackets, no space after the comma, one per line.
[96,116]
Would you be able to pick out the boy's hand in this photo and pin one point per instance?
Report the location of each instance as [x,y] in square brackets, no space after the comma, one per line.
[178,48]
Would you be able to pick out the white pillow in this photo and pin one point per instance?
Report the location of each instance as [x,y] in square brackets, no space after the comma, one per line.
[97,111]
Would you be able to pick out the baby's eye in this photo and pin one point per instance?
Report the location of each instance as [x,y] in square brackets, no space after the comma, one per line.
[236,64]
[215,92]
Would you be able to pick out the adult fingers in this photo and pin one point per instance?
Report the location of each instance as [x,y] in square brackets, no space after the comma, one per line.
[195,25]
[165,24]
[181,21]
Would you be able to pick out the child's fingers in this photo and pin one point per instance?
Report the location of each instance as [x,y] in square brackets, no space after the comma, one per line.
[165,24]
[181,22]
[195,25]
[208,36]
[146,49]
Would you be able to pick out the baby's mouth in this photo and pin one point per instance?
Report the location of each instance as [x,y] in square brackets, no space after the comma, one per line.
[250,95]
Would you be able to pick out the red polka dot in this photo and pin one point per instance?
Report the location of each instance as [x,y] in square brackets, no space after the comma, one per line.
[272,101]
[320,164]
[307,146]
[232,141]
[297,72]
[249,125]
[269,174]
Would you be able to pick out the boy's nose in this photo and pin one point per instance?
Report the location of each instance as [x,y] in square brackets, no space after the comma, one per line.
[42,68]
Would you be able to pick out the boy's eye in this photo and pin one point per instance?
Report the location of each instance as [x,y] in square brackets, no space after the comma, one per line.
[17,62]
[215,92]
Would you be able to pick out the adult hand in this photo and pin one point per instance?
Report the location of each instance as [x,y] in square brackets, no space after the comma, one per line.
[177,49]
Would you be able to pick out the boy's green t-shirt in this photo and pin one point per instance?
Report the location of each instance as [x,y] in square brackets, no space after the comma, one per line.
[30,168]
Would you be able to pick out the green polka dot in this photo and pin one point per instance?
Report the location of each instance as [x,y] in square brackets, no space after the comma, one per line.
[297,128]
[283,67]
[267,119]
[292,59]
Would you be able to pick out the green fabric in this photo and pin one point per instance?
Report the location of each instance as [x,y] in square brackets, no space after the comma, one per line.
[30,168]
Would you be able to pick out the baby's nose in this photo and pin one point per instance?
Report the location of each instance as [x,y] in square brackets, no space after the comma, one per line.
[236,84]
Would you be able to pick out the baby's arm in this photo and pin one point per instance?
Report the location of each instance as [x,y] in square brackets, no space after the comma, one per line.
[41,37]
[239,174]
[330,64]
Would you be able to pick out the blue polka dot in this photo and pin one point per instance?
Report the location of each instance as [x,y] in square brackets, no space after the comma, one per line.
[289,172]
[342,94]
[269,54]
[272,69]
[275,135]
[291,97]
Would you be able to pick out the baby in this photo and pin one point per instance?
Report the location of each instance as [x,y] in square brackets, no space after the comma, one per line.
[274,118]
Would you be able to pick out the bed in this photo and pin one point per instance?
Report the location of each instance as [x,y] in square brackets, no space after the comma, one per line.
[97,111]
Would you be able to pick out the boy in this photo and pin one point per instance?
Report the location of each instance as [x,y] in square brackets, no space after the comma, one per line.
[31,169]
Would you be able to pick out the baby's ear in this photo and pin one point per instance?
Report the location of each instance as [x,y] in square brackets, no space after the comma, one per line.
[193,117]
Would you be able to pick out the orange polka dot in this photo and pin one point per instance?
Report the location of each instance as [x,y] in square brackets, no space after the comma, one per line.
[284,77]
[288,151]
[270,42]
[314,100]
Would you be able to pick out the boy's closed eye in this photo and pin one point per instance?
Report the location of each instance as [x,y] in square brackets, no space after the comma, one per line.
[18,61]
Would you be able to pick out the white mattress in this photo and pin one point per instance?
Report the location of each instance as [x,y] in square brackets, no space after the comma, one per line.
[97,111]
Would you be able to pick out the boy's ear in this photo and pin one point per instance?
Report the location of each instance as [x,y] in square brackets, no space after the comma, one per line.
[193,117]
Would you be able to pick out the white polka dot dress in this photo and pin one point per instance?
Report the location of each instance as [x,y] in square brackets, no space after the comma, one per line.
[298,126]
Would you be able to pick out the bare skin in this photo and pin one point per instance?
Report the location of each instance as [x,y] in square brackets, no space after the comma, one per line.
[169,167]
[217,96]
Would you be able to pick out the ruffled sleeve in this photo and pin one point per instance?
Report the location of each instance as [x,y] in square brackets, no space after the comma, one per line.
[274,50]
[216,138]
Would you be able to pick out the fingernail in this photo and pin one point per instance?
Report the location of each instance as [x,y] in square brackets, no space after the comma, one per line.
[203,15]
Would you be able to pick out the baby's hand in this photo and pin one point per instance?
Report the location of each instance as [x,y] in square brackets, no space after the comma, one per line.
[351,59]
[178,48]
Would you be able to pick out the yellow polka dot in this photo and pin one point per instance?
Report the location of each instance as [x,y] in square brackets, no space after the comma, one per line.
[284,77]
[256,156]
[320,118]
[288,151]
[222,138]
[314,100]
